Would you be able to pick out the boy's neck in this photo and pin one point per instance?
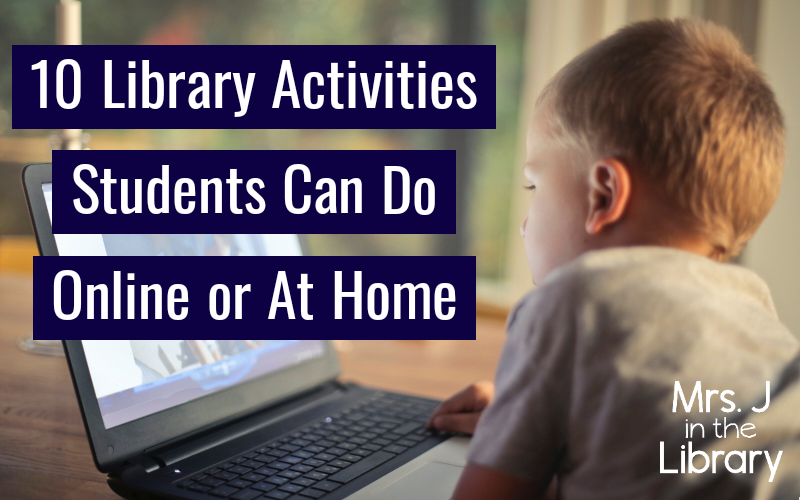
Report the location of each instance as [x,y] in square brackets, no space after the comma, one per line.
[700,247]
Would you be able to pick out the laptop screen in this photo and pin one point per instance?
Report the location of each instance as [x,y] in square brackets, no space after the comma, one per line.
[136,378]
[171,244]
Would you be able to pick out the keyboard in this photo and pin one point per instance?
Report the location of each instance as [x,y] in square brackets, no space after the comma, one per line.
[317,459]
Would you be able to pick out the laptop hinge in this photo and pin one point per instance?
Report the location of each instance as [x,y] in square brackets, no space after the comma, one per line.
[148,463]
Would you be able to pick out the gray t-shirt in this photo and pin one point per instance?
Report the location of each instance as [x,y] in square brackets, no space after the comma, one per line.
[585,382]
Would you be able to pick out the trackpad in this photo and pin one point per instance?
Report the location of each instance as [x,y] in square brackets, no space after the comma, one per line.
[433,480]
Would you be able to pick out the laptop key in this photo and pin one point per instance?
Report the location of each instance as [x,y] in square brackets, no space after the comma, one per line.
[266,471]
[395,448]
[227,476]
[312,493]
[247,494]
[371,447]
[265,459]
[291,474]
[252,476]
[405,429]
[304,481]
[223,491]
[199,487]
[302,468]
[238,469]
[325,457]
[212,481]
[291,488]
[326,443]
[278,494]
[339,463]
[289,447]
[317,476]
[313,448]
[362,452]
[347,446]
[313,462]
[264,486]
[406,442]
[292,460]
[391,420]
[280,465]
[326,486]
[363,466]
[336,451]
[351,458]
[306,453]
[239,483]
[250,463]
[277,480]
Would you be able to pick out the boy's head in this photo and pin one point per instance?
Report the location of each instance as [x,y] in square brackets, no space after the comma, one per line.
[665,133]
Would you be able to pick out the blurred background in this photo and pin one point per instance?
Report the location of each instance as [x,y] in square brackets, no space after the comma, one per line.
[533,37]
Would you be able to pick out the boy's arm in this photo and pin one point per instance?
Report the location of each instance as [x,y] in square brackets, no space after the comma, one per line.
[521,437]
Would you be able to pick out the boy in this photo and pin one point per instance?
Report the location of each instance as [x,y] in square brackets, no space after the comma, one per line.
[652,158]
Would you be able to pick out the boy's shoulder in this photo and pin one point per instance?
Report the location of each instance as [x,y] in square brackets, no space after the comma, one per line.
[625,288]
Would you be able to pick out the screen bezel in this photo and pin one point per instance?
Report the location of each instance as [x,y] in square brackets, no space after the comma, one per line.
[33,176]
[111,448]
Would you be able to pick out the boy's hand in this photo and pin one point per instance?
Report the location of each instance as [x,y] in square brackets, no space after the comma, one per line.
[460,412]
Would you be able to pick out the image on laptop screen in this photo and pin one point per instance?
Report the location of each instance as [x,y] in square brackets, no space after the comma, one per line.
[136,378]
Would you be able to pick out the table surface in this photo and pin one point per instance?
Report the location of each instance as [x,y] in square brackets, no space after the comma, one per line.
[44,453]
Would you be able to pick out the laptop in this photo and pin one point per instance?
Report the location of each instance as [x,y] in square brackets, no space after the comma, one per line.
[241,419]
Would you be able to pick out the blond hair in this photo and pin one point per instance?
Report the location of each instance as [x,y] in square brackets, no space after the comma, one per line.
[682,103]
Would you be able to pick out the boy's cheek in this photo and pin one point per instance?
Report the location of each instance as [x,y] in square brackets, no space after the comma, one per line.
[536,249]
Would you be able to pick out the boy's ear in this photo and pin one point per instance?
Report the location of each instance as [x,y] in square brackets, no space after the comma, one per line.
[609,194]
